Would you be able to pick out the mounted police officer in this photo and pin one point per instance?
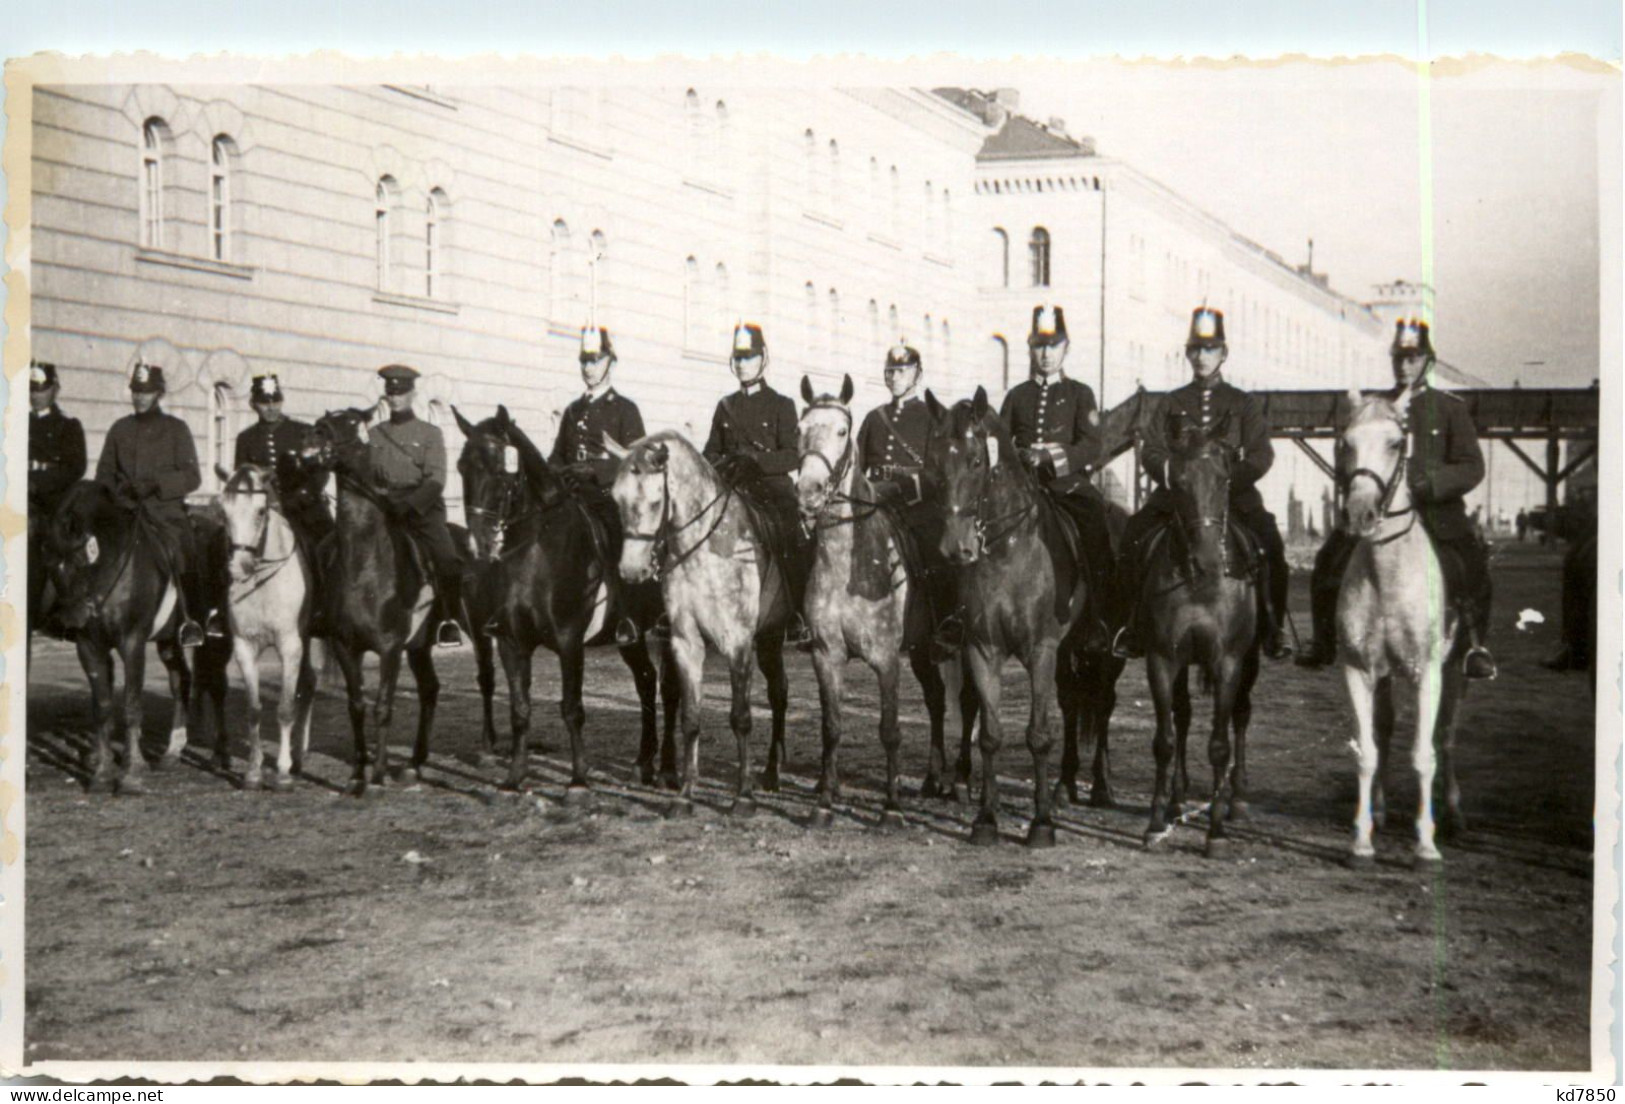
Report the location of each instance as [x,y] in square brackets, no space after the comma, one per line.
[275,442]
[149,463]
[1205,403]
[753,445]
[409,464]
[579,454]
[1444,463]
[56,461]
[1054,424]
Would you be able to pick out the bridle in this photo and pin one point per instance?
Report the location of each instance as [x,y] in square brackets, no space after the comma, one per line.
[1388,488]
[666,533]
[505,516]
[1016,518]
[256,550]
[838,473]
[1205,522]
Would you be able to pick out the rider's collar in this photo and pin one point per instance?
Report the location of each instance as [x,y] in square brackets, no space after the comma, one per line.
[900,401]
[401,417]
[1054,377]
[1211,383]
[47,412]
[596,393]
[752,387]
[150,414]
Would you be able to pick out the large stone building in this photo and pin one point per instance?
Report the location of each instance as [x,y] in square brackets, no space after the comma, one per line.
[322,231]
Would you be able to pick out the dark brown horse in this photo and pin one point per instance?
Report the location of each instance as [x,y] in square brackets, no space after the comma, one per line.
[381,599]
[1022,586]
[1200,603]
[544,583]
[116,592]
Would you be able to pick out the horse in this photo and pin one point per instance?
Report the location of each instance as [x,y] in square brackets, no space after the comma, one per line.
[382,598]
[1022,586]
[117,591]
[543,583]
[1200,608]
[862,603]
[270,599]
[1393,617]
[707,545]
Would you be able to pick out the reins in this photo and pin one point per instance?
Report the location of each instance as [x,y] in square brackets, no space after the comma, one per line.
[257,549]
[665,533]
[1388,488]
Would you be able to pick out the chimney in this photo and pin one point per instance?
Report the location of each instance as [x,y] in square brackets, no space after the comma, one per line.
[1007,98]
[1057,125]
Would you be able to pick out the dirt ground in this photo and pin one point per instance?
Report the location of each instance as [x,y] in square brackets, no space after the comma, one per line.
[455,922]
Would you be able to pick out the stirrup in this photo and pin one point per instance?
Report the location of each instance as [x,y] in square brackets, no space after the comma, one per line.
[448,635]
[662,628]
[1478,663]
[214,626]
[798,635]
[950,635]
[190,634]
[1126,646]
[626,633]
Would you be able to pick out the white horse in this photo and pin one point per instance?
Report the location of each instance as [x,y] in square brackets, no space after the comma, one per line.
[1393,616]
[271,594]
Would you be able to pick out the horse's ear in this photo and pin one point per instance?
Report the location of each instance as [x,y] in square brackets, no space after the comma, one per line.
[978,402]
[222,474]
[503,417]
[934,405]
[462,422]
[659,455]
[615,448]
[368,414]
[806,390]
[847,390]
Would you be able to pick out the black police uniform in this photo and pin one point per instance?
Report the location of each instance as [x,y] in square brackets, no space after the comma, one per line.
[56,461]
[1059,416]
[1205,406]
[892,445]
[587,423]
[276,446]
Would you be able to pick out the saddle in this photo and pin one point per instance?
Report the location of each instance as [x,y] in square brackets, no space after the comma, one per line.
[1244,549]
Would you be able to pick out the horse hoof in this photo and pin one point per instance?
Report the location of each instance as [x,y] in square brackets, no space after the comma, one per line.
[1101,798]
[984,833]
[961,793]
[930,789]
[1218,847]
[821,818]
[132,785]
[282,784]
[576,793]
[1176,809]
[743,808]
[1452,827]
[891,820]
[671,782]
[1428,862]
[221,761]
[252,783]
[768,783]
[409,776]
[1155,837]
[1360,861]
[512,784]
[1240,811]
[1041,836]
[680,810]
[1059,797]
[167,761]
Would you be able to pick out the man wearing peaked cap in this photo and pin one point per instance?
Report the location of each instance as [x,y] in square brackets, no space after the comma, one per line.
[409,464]
[1444,463]
[1208,403]
[56,461]
[1054,424]
[149,462]
[274,443]
[753,445]
[578,451]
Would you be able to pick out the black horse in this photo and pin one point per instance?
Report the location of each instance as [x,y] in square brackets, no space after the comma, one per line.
[381,598]
[544,580]
[115,593]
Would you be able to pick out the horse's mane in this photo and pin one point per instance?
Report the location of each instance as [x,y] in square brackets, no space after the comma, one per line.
[962,416]
[248,479]
[87,507]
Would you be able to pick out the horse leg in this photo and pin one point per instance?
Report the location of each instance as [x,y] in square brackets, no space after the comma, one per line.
[890,673]
[1241,716]
[970,707]
[247,655]
[350,664]
[97,663]
[644,678]
[291,651]
[1179,782]
[1226,676]
[1383,720]
[671,703]
[1160,672]
[1363,691]
[739,675]
[572,666]
[1040,738]
[770,658]
[1429,689]
[516,666]
[1453,823]
[830,670]
[383,713]
[135,677]
[985,673]
[306,703]
[689,655]
[1104,701]
[934,689]
[182,680]
[485,673]
[428,682]
[1067,685]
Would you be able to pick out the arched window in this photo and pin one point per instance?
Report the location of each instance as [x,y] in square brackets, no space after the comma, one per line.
[947,223]
[947,350]
[896,201]
[383,219]
[1038,250]
[834,173]
[222,152]
[433,244]
[692,149]
[928,218]
[930,335]
[874,184]
[874,331]
[892,332]
[834,330]
[692,322]
[723,307]
[558,272]
[1001,256]
[155,146]
[722,134]
[810,144]
[1001,360]
[809,321]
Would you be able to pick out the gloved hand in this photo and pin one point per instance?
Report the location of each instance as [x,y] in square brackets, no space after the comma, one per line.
[746,467]
[145,487]
[582,472]
[396,504]
[887,491]
[1417,479]
[1038,460]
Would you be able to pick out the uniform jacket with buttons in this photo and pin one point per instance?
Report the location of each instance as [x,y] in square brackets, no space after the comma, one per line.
[1058,415]
[276,446]
[410,456]
[1445,461]
[154,446]
[1204,407]
[587,423]
[56,457]
[892,444]
[761,425]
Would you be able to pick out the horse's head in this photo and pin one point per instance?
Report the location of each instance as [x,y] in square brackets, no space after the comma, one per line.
[81,538]
[642,494]
[248,496]
[492,472]
[1199,483]
[338,442]
[826,445]
[1371,461]
[968,444]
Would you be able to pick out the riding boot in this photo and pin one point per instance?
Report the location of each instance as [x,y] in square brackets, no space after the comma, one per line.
[1322,650]
[626,629]
[1274,646]
[1478,663]
[447,634]
[190,634]
[1126,642]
